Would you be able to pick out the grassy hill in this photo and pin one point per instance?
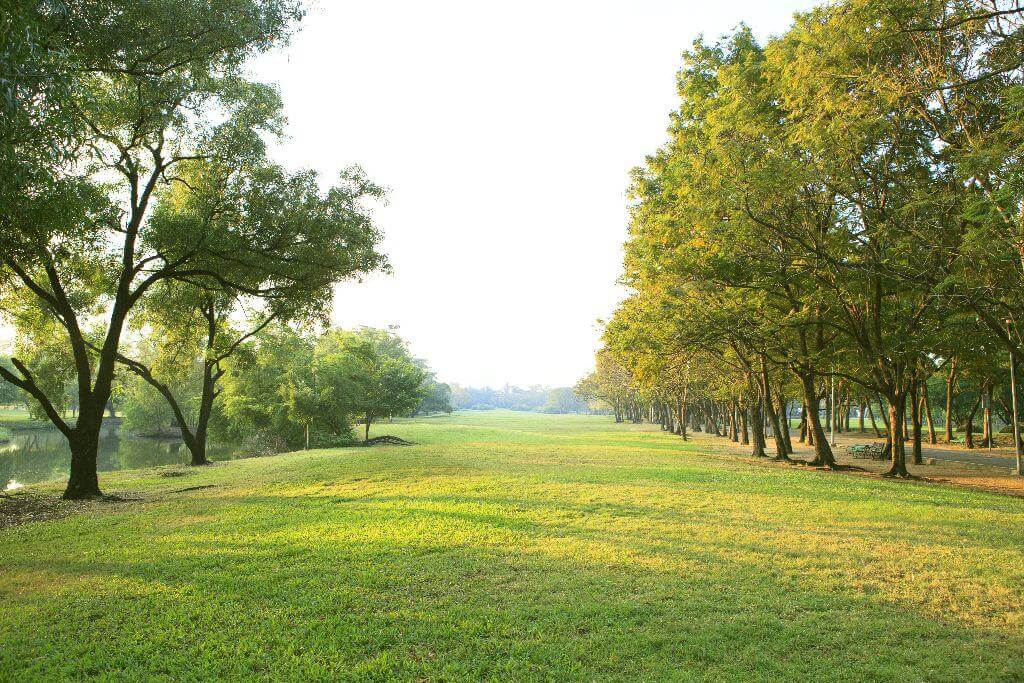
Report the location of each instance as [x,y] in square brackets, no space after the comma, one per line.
[517,546]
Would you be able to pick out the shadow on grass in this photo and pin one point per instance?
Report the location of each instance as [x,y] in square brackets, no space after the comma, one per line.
[468,587]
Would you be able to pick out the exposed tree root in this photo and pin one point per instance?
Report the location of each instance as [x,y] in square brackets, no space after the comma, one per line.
[389,440]
[898,475]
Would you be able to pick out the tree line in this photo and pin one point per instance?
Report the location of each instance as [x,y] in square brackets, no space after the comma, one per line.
[837,212]
[555,400]
[145,231]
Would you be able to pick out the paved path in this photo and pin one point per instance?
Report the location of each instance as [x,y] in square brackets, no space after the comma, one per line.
[976,457]
[999,458]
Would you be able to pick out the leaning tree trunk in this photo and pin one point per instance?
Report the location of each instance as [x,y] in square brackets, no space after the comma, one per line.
[871,416]
[823,456]
[784,421]
[781,451]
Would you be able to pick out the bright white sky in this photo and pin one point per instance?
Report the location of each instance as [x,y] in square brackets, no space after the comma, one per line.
[505,132]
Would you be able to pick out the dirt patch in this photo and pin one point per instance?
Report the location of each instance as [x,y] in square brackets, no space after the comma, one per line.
[25,507]
[863,463]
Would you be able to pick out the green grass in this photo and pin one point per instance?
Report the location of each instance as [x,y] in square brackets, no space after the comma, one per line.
[19,419]
[517,546]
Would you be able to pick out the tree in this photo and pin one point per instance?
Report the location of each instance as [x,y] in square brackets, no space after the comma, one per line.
[211,320]
[151,87]
[10,394]
[437,398]
[388,381]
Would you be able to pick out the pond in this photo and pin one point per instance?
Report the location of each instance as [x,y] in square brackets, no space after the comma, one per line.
[42,454]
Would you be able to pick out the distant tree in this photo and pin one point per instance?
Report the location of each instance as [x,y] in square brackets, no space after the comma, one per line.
[10,394]
[278,388]
[387,379]
[563,400]
[437,398]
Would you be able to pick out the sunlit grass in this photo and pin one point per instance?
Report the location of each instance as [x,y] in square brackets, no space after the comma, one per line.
[519,546]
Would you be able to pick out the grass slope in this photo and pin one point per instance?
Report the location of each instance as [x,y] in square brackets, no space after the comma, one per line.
[514,546]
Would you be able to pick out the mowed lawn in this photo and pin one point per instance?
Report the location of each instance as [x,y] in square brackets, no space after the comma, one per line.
[511,547]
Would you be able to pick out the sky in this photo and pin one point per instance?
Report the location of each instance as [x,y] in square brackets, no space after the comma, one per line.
[505,132]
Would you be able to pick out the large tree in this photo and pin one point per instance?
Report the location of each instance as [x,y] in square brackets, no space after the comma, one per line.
[207,318]
[149,86]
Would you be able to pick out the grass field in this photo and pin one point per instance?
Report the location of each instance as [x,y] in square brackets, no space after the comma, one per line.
[513,547]
[19,419]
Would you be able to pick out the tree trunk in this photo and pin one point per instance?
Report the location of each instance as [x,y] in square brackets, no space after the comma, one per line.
[969,423]
[871,416]
[784,422]
[369,419]
[823,456]
[950,386]
[932,439]
[83,482]
[756,420]
[915,421]
[744,427]
[682,413]
[897,417]
[989,436]
[781,450]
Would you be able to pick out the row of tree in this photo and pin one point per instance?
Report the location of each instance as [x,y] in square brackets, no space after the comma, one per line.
[138,201]
[556,400]
[841,205]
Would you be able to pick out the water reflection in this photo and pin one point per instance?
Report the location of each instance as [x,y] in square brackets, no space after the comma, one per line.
[43,455]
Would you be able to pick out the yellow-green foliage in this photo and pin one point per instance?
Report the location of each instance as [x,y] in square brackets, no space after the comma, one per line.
[511,546]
